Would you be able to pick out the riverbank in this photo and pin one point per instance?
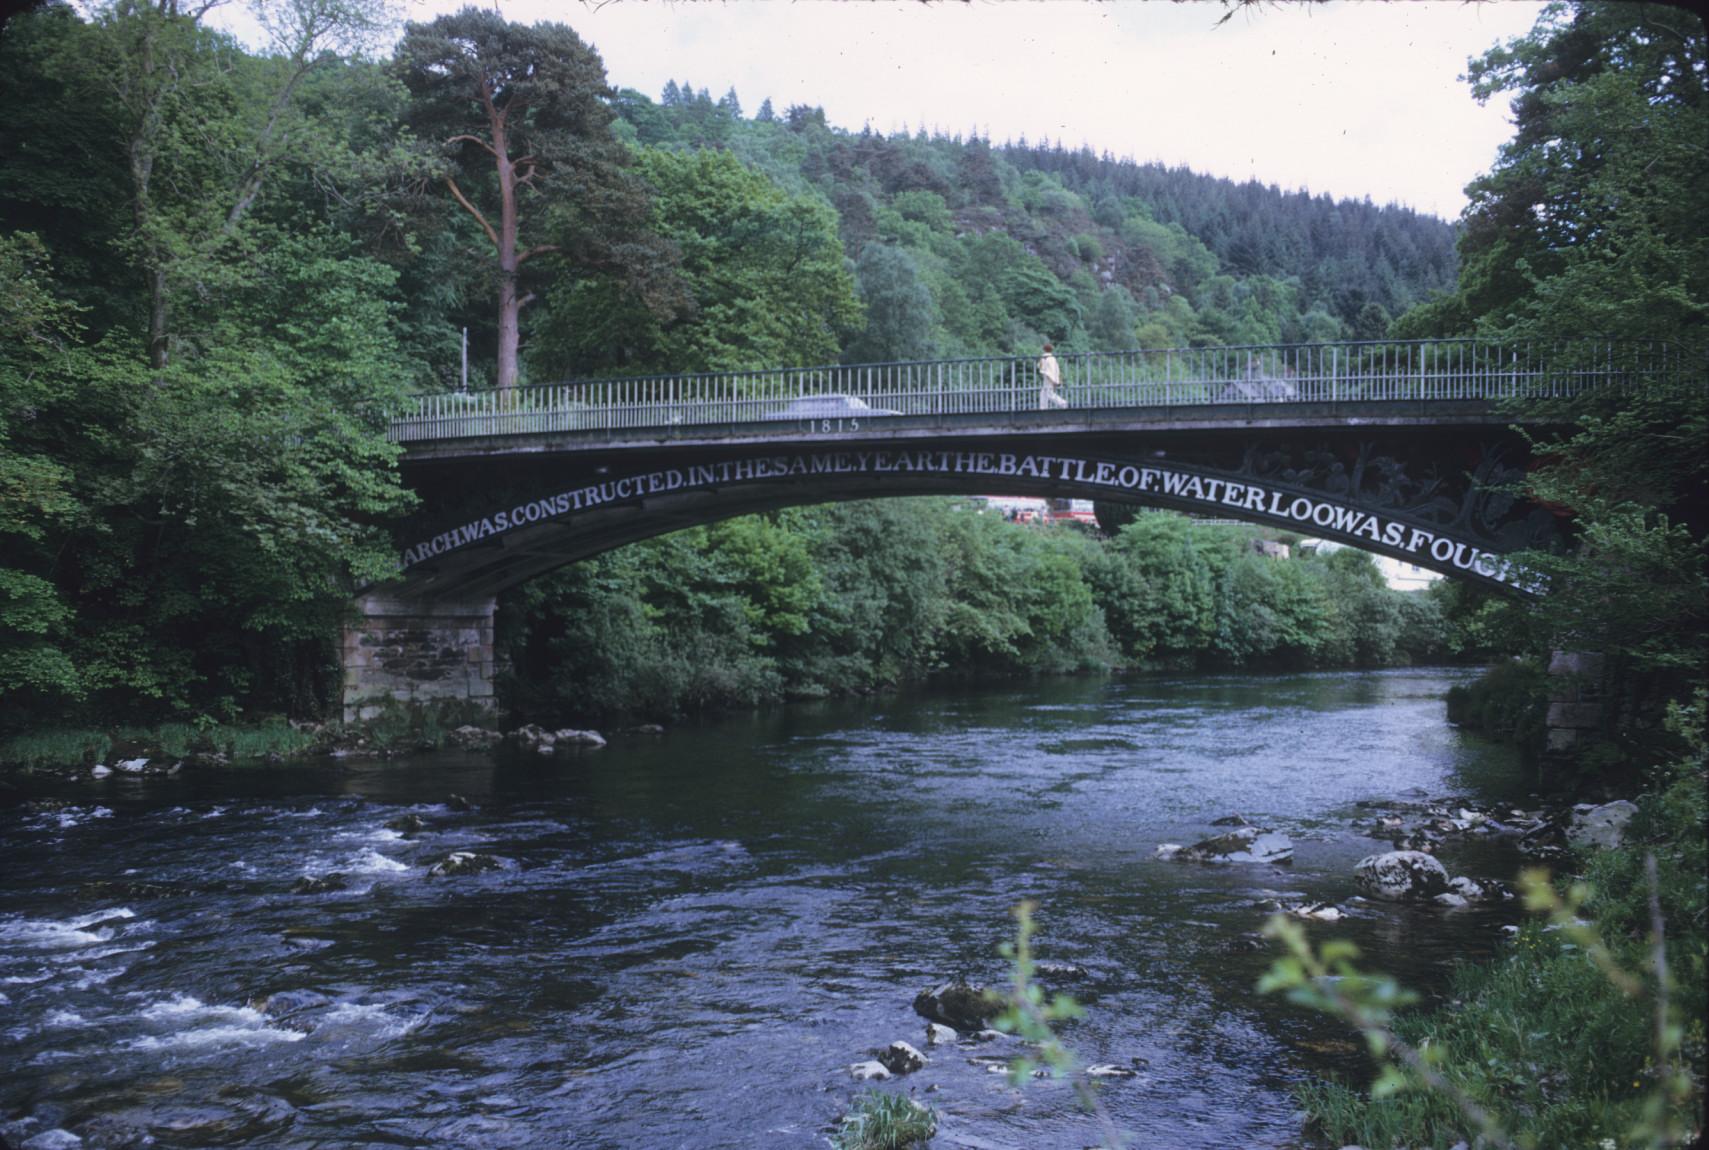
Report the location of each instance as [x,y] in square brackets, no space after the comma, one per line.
[1588,1029]
[172,747]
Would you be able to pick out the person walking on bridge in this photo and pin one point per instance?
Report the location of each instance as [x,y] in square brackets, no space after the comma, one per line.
[1050,381]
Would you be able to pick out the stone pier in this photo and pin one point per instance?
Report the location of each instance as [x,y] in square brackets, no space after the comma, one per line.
[417,651]
[1575,699]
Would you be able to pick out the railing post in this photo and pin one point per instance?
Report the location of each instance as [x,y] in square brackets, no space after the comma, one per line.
[1334,369]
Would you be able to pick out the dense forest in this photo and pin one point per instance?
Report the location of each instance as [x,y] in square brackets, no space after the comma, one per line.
[220,265]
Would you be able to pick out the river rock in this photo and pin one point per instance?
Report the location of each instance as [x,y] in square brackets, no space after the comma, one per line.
[901,1058]
[1479,891]
[869,1072]
[289,1003]
[1059,970]
[1450,900]
[51,1140]
[463,862]
[100,771]
[937,1034]
[1242,845]
[1603,826]
[132,766]
[408,824]
[1110,1070]
[1401,876]
[569,737]
[319,884]
[956,1004]
[1231,821]
[459,804]
[472,738]
[532,738]
[1317,912]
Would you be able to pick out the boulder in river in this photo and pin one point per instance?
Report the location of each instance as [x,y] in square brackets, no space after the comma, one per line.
[569,737]
[1231,821]
[937,1034]
[1059,970]
[100,771]
[132,766]
[472,738]
[901,1058]
[1401,876]
[289,1003]
[319,884]
[463,862]
[1110,1070]
[869,1072]
[533,738]
[1317,911]
[1475,891]
[957,1004]
[408,824]
[1603,826]
[1241,845]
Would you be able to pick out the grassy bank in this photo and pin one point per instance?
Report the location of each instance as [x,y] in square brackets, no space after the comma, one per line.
[397,728]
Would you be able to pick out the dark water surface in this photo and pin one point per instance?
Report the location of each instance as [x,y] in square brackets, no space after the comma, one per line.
[693,935]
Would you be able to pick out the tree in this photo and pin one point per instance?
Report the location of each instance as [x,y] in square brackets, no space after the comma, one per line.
[173,80]
[522,115]
[762,274]
[900,314]
[1589,227]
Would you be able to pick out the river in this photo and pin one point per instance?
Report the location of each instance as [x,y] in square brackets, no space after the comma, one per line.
[692,935]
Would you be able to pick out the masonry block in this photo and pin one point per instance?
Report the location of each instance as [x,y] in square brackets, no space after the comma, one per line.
[417,651]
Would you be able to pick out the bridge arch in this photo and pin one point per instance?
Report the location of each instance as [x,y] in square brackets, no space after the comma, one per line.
[428,634]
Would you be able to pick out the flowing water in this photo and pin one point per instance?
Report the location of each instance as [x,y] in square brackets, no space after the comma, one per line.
[692,935]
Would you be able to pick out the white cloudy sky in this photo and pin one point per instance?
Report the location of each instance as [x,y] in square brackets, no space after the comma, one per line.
[1353,97]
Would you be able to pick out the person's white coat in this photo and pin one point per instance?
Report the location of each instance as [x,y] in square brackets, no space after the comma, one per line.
[1050,383]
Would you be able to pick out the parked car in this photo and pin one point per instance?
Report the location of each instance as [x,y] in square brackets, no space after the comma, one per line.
[1259,389]
[828,407]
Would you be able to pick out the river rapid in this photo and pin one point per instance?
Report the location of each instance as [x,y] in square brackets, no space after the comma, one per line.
[692,935]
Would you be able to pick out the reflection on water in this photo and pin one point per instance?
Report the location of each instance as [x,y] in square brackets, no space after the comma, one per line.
[691,936]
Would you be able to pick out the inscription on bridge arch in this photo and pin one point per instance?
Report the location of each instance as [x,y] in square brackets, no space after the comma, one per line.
[1176,485]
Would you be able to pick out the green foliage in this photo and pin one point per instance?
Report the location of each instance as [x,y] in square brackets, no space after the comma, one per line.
[881,1121]
[1033,1016]
[1510,701]
[823,600]
[1584,1032]
[1029,1013]
[55,748]
[900,313]
[764,279]
[192,471]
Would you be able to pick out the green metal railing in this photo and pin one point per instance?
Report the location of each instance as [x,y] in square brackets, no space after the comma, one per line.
[840,396]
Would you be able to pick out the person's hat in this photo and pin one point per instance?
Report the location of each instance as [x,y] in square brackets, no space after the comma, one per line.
[1047,347]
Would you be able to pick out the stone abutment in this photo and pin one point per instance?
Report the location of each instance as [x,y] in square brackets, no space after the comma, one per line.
[411,650]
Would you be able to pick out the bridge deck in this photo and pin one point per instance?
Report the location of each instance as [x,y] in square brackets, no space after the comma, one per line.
[1173,385]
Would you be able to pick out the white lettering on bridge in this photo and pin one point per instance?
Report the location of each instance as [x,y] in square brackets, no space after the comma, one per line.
[1209,493]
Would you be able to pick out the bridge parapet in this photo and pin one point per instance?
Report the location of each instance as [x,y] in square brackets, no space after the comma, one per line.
[858,397]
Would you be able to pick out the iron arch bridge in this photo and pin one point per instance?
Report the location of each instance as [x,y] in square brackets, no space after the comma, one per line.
[1404,449]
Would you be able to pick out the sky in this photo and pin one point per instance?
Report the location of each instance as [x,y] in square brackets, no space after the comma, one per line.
[1354,97]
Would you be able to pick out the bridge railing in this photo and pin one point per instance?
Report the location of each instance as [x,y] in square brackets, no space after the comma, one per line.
[834,396]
